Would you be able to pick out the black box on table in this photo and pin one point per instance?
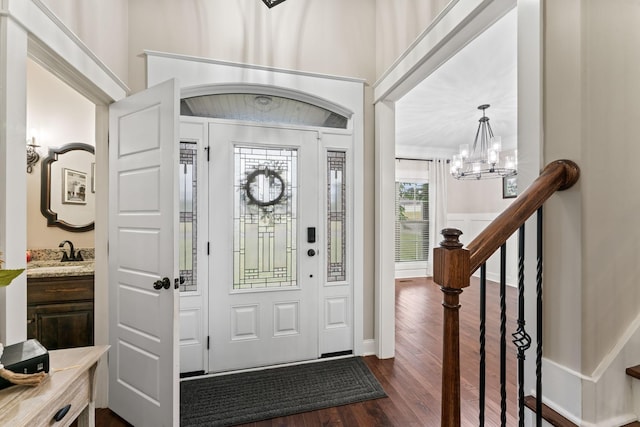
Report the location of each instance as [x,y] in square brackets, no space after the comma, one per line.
[27,357]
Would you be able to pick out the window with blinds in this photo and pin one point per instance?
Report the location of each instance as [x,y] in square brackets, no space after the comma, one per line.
[412,221]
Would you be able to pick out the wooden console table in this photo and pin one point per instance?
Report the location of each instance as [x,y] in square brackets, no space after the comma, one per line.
[71,381]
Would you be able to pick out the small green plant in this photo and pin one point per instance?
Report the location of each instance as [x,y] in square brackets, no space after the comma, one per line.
[6,276]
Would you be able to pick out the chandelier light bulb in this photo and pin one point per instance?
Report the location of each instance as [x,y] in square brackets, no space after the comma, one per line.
[509,163]
[496,143]
[456,164]
[492,156]
[464,151]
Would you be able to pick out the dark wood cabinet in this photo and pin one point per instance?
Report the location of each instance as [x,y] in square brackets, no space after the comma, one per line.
[60,311]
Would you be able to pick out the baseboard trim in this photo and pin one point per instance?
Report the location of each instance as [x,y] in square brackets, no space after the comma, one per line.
[548,414]
[575,396]
[369,347]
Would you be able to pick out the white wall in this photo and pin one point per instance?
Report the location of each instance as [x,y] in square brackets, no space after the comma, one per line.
[591,115]
[60,116]
[398,24]
[473,196]
[592,238]
[101,25]
[324,36]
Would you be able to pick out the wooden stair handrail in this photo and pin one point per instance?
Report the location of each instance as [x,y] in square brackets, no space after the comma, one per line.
[453,266]
[556,176]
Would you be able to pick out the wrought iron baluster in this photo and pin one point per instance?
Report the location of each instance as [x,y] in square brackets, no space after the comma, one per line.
[503,335]
[483,318]
[539,321]
[521,338]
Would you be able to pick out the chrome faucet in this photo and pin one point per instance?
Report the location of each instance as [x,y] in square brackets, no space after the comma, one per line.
[73,256]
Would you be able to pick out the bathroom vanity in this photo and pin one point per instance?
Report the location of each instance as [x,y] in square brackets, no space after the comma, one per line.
[60,304]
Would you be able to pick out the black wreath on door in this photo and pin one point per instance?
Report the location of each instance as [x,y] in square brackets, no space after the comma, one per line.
[275,187]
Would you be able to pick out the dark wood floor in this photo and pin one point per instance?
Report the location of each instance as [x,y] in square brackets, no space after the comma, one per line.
[412,378]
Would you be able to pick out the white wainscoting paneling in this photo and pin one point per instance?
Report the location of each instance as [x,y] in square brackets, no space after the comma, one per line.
[471,225]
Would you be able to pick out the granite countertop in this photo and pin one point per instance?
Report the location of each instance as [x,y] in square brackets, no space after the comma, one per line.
[50,268]
[46,263]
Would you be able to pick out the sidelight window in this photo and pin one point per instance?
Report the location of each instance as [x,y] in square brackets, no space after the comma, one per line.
[188,224]
[336,216]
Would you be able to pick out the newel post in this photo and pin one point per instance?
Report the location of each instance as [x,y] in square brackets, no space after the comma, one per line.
[451,271]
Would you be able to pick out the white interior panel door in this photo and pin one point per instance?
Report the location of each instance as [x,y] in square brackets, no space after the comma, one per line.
[143,302]
[265,263]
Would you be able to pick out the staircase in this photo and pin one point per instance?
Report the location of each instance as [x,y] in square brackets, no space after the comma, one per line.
[557,420]
[548,414]
[453,265]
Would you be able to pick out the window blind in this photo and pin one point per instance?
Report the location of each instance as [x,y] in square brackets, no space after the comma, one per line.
[412,221]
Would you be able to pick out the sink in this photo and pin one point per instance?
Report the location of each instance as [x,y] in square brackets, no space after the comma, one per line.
[56,268]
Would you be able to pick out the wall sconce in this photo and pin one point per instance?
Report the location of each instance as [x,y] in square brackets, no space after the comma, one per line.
[32,154]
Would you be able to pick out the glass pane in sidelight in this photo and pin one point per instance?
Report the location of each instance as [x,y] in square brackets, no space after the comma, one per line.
[187,227]
[336,216]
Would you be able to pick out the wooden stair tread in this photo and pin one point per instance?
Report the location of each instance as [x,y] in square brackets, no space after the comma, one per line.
[548,414]
[634,371]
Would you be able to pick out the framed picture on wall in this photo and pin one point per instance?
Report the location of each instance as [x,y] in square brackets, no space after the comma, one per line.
[509,187]
[74,187]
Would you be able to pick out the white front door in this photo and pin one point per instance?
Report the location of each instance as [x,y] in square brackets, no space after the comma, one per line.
[265,263]
[143,262]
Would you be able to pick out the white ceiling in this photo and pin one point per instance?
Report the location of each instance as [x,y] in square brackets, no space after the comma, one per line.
[441,112]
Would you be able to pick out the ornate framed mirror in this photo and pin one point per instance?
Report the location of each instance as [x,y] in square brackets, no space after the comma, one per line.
[67,197]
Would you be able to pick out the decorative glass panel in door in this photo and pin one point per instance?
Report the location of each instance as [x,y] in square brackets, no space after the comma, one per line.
[265,247]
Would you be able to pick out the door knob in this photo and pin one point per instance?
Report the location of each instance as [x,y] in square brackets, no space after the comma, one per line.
[164,283]
[311,252]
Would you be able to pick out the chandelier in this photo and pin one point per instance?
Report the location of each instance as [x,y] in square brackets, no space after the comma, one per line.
[483,160]
[271,3]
